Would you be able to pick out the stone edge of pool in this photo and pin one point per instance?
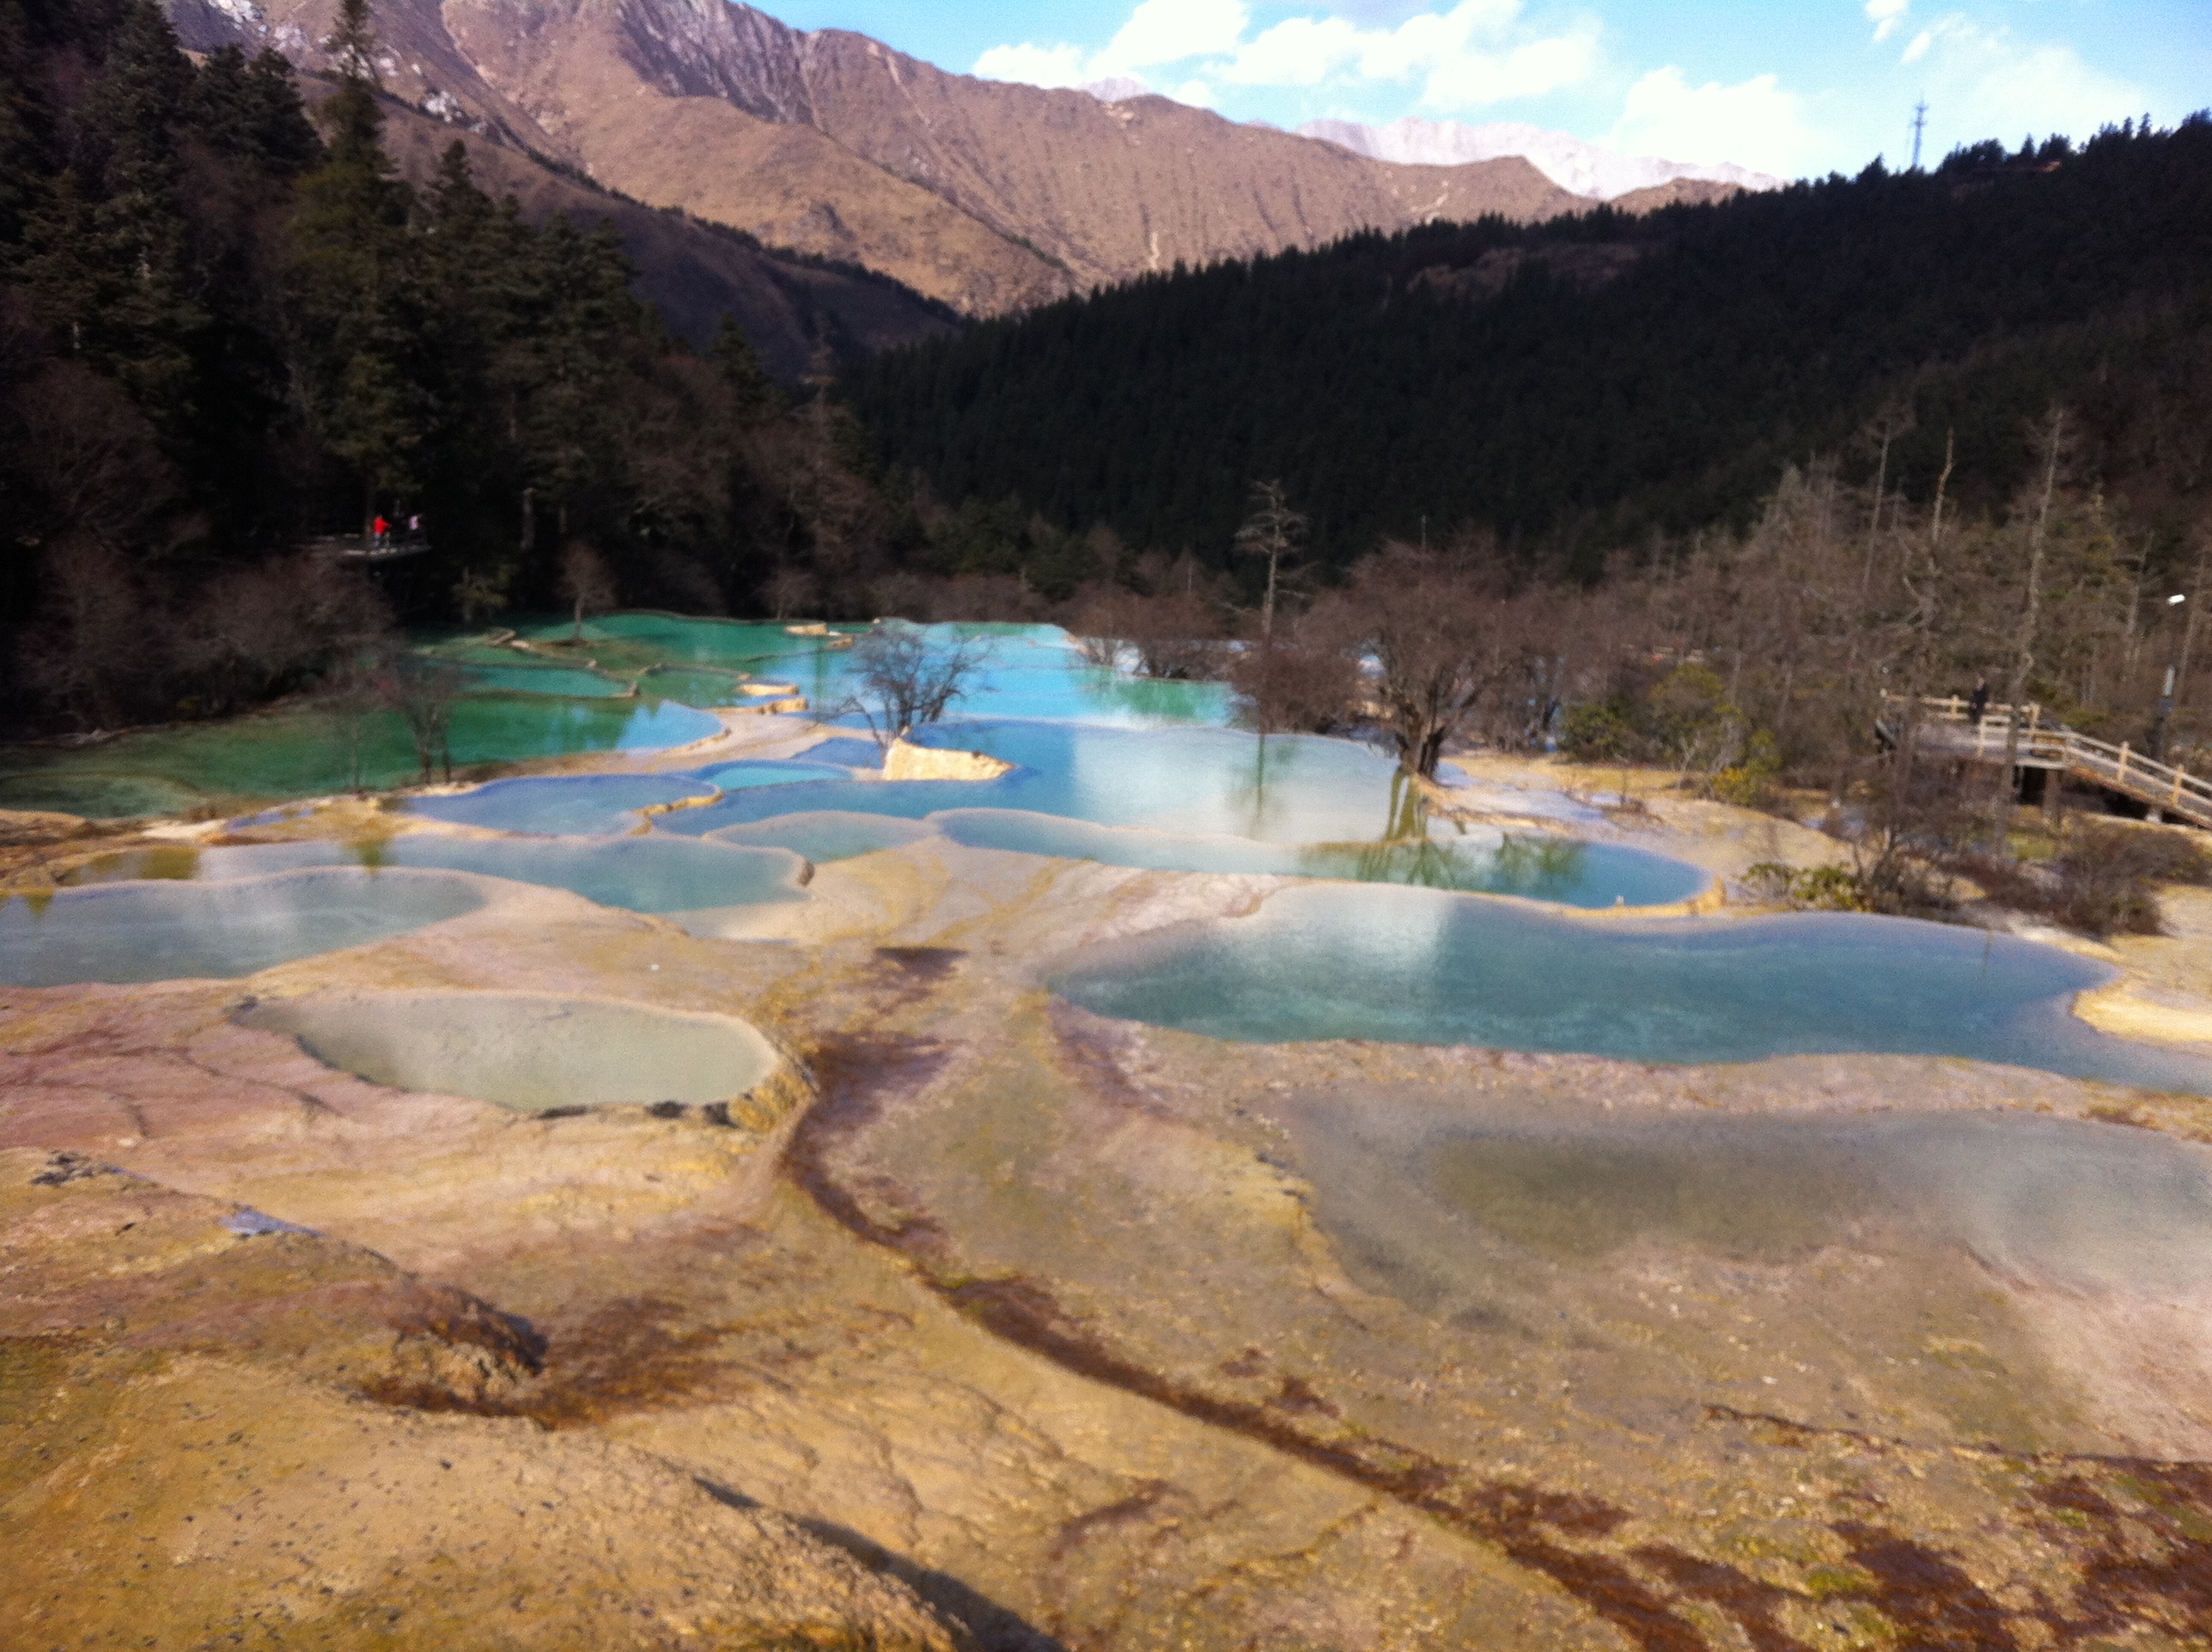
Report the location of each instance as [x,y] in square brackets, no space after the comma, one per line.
[774,1099]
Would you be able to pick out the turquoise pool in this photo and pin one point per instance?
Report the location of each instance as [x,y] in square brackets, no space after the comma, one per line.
[639,874]
[1416,966]
[143,932]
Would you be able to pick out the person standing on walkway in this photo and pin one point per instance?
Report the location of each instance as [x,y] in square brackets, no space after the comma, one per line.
[381,533]
[1978,705]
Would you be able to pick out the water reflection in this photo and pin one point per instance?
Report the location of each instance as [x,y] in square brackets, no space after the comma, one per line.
[1575,874]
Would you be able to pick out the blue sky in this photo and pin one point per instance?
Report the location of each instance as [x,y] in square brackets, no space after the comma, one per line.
[1808,87]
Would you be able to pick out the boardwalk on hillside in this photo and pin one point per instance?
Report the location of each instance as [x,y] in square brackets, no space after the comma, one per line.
[1948,728]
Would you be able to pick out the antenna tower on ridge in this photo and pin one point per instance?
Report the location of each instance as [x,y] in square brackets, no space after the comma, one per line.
[1919,125]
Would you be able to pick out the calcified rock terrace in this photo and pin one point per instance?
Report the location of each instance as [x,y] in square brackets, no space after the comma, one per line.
[975,1319]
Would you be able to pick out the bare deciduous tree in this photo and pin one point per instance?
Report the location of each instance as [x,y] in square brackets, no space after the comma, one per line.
[1273,531]
[586,583]
[905,678]
[256,631]
[353,693]
[423,691]
[791,590]
[96,652]
[1302,681]
[1436,628]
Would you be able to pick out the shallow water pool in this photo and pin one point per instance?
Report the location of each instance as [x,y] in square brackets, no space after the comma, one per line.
[827,836]
[167,931]
[525,1050]
[1540,868]
[650,873]
[513,678]
[567,805]
[1196,781]
[305,751]
[2084,1205]
[1414,966]
[761,771]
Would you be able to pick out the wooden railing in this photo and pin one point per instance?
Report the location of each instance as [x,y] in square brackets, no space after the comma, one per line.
[364,548]
[1949,728]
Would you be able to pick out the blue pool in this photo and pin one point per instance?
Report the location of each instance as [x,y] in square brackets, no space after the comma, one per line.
[1415,966]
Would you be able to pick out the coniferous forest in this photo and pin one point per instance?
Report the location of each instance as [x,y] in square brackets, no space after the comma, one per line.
[230,330]
[1580,386]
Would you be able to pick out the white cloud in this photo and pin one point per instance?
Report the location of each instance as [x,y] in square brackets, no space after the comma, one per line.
[1477,53]
[1755,124]
[1298,52]
[1476,78]
[1175,31]
[1888,16]
[1987,82]
[1036,65]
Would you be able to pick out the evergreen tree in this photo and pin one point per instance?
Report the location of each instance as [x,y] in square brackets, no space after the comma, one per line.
[249,111]
[105,251]
[356,321]
[754,397]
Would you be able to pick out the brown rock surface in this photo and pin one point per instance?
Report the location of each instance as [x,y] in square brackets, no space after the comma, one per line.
[1101,192]
[989,195]
[186,1403]
[1084,1334]
[694,274]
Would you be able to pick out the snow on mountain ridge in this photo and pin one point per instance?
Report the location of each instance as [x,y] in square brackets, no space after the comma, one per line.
[1116,88]
[1585,168]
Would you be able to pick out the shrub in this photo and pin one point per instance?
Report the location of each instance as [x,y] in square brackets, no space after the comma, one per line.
[1750,783]
[2108,877]
[1808,889]
[1597,732]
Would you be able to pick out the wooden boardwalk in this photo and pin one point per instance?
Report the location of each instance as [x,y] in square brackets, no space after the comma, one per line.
[360,548]
[1948,729]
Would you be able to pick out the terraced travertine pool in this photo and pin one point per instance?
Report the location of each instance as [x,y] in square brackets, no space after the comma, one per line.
[1105,769]
[140,932]
[1414,966]
[527,1051]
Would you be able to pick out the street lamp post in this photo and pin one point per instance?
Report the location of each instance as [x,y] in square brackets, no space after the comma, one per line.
[2158,723]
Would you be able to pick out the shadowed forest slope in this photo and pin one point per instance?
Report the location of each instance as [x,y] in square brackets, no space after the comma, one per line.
[234,338]
[693,272]
[1579,384]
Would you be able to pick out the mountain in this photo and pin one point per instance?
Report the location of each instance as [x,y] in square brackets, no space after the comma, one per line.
[1579,385]
[695,273]
[991,196]
[1588,169]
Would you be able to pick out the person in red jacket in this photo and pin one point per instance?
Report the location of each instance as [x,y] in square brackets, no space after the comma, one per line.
[383,533]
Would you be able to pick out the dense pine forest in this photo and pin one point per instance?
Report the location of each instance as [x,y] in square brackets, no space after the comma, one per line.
[1580,386]
[229,329]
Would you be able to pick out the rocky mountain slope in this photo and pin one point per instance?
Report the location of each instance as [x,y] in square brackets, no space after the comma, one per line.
[989,196]
[697,273]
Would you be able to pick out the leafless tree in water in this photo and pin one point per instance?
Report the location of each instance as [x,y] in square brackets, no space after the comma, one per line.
[905,678]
